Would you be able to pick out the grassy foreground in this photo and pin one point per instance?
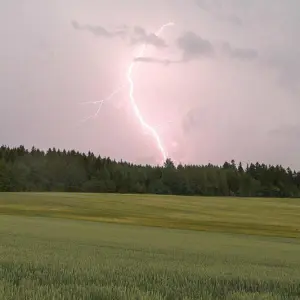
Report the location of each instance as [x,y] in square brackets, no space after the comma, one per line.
[261,216]
[59,258]
[46,259]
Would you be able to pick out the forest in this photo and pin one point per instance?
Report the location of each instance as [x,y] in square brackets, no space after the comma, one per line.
[56,170]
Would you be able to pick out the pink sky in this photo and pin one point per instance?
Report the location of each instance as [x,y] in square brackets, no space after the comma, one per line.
[235,96]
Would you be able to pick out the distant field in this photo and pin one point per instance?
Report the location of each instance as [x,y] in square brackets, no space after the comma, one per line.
[64,257]
[261,216]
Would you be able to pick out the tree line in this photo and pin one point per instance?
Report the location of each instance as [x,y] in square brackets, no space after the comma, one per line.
[71,171]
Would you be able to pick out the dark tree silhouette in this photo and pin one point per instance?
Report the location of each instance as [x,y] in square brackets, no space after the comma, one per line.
[71,171]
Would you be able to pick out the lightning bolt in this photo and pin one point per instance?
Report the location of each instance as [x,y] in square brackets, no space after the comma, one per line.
[101,102]
[134,105]
[136,110]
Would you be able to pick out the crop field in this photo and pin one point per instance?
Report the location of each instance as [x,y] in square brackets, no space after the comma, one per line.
[79,246]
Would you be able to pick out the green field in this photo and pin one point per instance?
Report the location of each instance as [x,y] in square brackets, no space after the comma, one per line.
[56,246]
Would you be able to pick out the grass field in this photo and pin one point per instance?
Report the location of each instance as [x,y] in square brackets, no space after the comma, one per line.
[44,254]
[273,217]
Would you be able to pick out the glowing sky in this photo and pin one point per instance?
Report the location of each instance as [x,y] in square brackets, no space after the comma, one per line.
[230,89]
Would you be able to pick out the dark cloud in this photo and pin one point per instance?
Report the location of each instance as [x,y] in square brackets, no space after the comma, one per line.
[99,30]
[139,31]
[239,53]
[142,37]
[139,35]
[190,44]
[193,46]
[156,60]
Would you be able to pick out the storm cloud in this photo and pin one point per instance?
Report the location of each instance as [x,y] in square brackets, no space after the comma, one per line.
[137,36]
[142,37]
[193,46]
[232,86]
[99,30]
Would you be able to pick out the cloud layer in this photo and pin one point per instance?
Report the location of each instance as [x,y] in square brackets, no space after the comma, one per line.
[140,36]
[233,77]
[99,30]
[137,36]
[193,46]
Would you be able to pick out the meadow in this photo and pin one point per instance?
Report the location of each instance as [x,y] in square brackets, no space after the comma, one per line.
[84,246]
